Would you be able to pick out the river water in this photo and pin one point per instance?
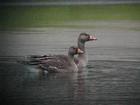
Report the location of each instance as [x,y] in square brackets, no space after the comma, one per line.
[112,76]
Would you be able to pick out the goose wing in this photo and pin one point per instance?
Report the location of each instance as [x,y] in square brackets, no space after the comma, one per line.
[56,64]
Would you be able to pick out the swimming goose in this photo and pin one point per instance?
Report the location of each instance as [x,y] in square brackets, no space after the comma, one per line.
[62,63]
[82,59]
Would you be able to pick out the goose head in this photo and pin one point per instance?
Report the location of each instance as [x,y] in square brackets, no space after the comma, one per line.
[84,37]
[74,50]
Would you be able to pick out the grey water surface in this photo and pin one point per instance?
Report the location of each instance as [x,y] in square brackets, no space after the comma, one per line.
[112,76]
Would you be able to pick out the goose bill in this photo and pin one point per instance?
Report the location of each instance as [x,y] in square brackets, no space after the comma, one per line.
[92,38]
[79,51]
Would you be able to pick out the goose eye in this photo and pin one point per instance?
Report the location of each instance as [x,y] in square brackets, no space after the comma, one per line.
[88,37]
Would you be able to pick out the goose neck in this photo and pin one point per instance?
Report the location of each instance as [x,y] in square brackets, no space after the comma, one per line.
[71,56]
[81,45]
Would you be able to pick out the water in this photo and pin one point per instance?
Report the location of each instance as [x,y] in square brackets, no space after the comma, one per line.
[112,76]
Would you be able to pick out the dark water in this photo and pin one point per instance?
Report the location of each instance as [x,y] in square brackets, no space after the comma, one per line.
[112,76]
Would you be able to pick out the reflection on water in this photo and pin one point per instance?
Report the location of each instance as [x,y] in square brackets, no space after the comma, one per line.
[112,76]
[107,82]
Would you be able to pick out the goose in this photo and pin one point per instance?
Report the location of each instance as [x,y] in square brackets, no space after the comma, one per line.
[81,60]
[62,63]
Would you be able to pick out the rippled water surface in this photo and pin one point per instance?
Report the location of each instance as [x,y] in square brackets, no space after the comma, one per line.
[112,76]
